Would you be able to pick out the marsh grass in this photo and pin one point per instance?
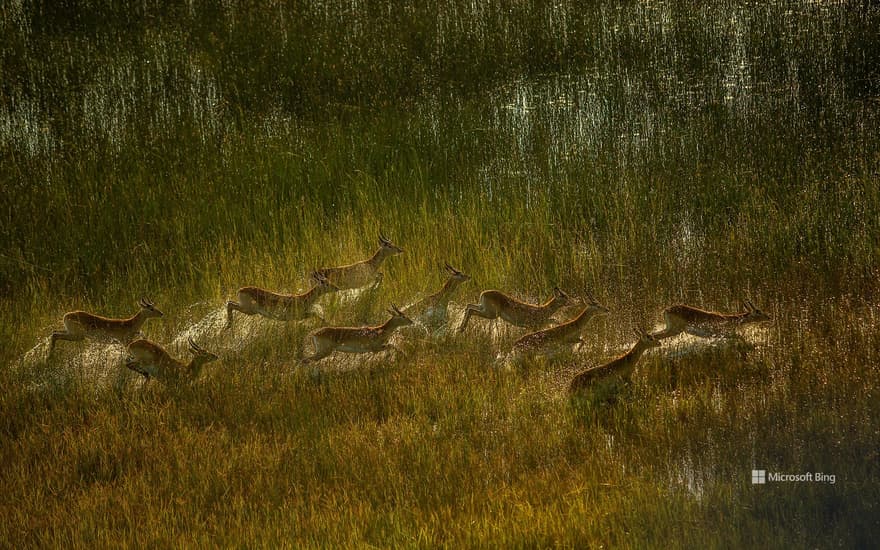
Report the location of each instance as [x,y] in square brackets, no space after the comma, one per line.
[647,152]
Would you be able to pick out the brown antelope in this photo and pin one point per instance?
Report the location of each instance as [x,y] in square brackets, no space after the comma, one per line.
[362,273]
[621,367]
[494,304]
[357,339]
[281,307]
[561,335]
[79,325]
[705,324]
[151,361]
[431,310]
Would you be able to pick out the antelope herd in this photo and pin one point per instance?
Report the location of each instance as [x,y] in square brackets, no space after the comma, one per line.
[152,361]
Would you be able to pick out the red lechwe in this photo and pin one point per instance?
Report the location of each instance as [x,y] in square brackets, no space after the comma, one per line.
[494,304]
[281,307]
[152,361]
[431,311]
[621,367]
[362,273]
[706,324]
[80,325]
[357,339]
[553,339]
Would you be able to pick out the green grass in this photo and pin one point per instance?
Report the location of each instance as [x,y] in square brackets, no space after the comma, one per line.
[648,153]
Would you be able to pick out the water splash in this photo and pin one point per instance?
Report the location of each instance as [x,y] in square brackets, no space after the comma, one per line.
[88,364]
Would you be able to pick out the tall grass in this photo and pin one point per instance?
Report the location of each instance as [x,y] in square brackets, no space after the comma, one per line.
[647,152]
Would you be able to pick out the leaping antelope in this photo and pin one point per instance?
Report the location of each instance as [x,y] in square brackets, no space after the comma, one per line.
[281,307]
[79,325]
[706,324]
[152,361]
[357,339]
[562,335]
[362,273]
[494,304]
[621,367]
[431,310]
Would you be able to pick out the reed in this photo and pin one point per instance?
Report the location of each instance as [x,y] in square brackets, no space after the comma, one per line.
[657,153]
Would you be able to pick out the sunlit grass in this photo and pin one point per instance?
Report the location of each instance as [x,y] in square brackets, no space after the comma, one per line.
[649,153]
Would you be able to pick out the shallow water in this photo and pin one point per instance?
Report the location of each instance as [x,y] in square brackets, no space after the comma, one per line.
[90,364]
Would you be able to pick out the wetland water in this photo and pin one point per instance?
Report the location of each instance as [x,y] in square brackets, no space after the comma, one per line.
[646,152]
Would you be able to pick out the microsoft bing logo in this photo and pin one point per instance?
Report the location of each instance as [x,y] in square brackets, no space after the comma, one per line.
[761,477]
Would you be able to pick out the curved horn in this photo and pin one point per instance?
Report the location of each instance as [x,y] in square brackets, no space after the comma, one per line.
[591,297]
[383,239]
[396,310]
[195,347]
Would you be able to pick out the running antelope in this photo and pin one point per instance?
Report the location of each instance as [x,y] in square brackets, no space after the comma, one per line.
[362,273]
[706,324]
[79,325]
[357,339]
[621,367]
[281,307]
[431,310]
[151,361]
[562,335]
[494,304]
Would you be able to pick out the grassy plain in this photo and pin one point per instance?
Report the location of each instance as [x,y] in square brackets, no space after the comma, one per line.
[651,153]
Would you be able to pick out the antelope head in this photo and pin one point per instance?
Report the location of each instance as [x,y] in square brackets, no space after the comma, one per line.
[388,247]
[398,318]
[646,340]
[201,357]
[323,283]
[148,308]
[754,314]
[594,305]
[455,274]
[562,298]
